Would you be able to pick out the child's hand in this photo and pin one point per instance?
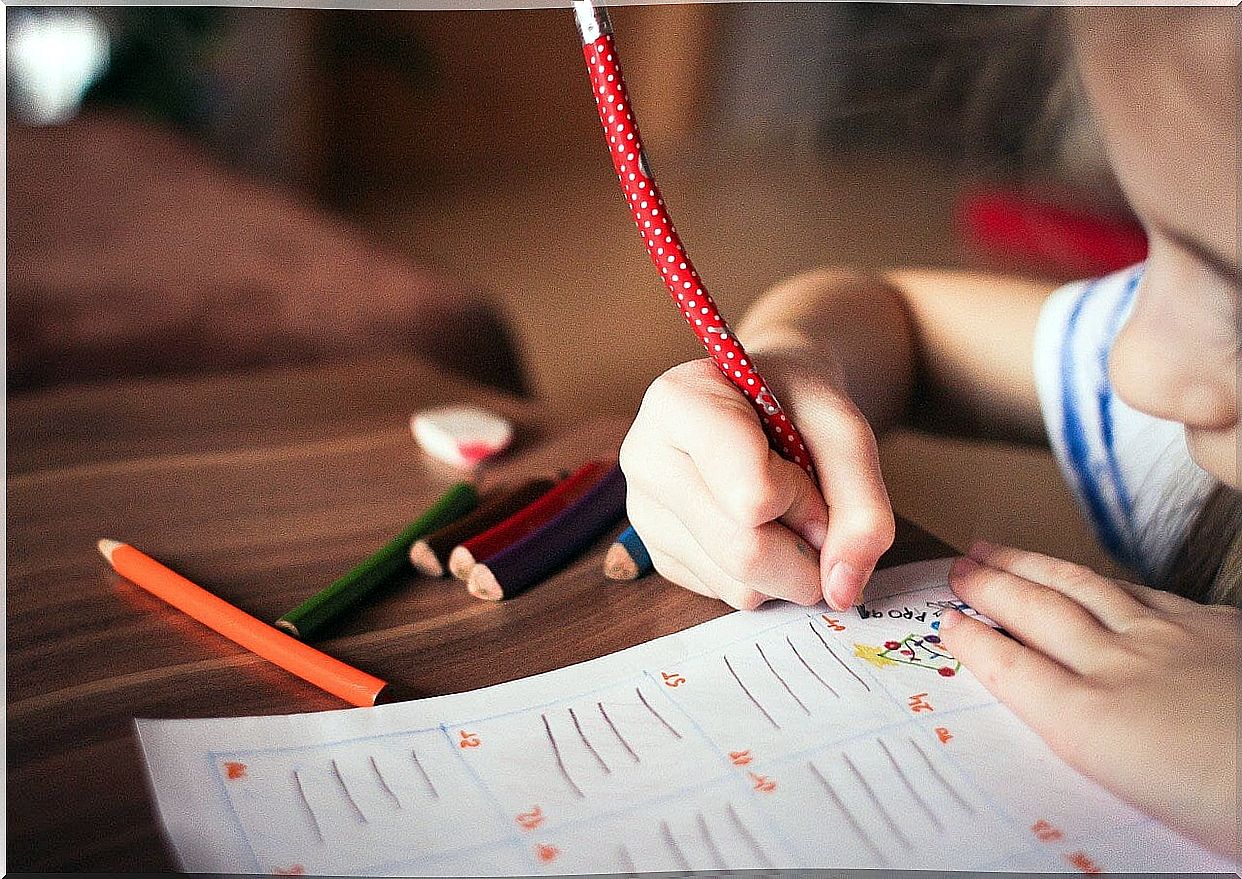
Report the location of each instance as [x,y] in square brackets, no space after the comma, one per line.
[1134,687]
[724,515]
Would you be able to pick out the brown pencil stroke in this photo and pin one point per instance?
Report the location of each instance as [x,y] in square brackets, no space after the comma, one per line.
[849,816]
[624,859]
[340,780]
[744,832]
[940,777]
[782,681]
[807,666]
[671,842]
[876,801]
[418,764]
[839,660]
[560,762]
[668,726]
[706,833]
[750,695]
[587,742]
[620,738]
[909,785]
[310,813]
[383,783]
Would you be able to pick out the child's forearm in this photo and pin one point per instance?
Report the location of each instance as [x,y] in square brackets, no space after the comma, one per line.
[946,350]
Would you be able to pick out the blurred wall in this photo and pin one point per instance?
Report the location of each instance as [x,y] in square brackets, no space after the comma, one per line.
[501,92]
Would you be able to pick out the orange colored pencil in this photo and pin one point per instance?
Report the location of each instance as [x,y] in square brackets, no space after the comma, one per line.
[354,686]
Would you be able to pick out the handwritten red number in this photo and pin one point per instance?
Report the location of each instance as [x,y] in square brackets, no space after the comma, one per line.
[468,739]
[918,703]
[740,758]
[943,734]
[1082,862]
[547,853]
[762,783]
[530,820]
[235,770]
[835,625]
[1045,832]
[672,679]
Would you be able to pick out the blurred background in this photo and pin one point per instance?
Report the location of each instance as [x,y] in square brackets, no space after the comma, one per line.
[211,189]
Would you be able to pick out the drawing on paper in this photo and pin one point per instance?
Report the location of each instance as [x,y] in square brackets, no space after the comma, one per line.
[921,651]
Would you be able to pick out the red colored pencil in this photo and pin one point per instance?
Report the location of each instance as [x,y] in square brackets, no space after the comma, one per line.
[525,562]
[526,520]
[664,246]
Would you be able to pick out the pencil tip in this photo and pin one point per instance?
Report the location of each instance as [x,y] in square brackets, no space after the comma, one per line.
[108,547]
[424,560]
[288,627]
[619,564]
[482,583]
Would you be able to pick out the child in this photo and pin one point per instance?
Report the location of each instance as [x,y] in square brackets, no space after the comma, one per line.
[1133,378]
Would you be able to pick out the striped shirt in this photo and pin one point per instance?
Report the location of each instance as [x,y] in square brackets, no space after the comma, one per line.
[1131,473]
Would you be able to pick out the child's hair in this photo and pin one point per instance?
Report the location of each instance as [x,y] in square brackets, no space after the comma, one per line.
[986,88]
[1208,565]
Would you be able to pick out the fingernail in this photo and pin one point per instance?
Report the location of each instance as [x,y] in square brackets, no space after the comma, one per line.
[949,619]
[962,566]
[843,583]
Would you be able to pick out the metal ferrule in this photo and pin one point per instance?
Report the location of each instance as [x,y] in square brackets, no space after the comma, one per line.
[592,21]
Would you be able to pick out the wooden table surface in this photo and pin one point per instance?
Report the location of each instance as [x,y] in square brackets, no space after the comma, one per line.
[262,487]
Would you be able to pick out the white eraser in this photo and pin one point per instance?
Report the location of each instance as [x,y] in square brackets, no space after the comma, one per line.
[464,436]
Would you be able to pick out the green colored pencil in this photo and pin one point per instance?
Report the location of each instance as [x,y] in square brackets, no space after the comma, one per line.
[327,606]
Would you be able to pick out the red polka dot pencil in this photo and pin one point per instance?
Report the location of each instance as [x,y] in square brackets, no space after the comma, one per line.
[663,244]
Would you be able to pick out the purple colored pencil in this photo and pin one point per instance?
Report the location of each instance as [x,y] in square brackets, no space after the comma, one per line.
[520,565]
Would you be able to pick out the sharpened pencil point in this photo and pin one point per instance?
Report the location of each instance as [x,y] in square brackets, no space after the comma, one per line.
[108,547]
[618,565]
[482,583]
[288,628]
[424,560]
[461,560]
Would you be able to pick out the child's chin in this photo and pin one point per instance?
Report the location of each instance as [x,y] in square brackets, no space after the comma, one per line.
[1216,451]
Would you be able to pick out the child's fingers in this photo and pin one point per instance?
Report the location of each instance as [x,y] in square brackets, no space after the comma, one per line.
[679,560]
[731,559]
[860,517]
[768,557]
[677,573]
[1114,606]
[1040,617]
[701,414]
[1037,689]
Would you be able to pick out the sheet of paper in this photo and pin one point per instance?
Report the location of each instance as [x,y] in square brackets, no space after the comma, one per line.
[784,737]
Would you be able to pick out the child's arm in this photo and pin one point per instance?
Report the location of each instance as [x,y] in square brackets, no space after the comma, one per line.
[963,340]
[844,352]
[1134,687]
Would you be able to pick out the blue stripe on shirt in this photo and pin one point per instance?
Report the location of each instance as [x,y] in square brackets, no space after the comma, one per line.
[1075,438]
[1106,397]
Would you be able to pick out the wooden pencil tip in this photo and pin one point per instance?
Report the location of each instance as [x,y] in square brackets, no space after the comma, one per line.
[483,584]
[618,565]
[288,628]
[424,560]
[461,560]
[108,547]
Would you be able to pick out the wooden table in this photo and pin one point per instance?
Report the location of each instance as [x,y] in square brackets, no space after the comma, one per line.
[262,487]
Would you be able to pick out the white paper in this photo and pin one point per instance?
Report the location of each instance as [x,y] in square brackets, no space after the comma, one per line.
[761,739]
